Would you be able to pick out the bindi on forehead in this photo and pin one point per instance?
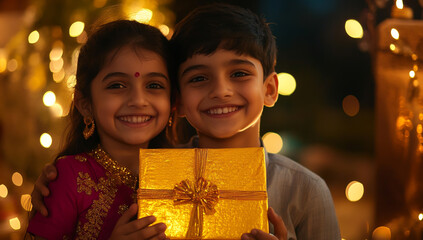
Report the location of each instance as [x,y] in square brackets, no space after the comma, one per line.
[137,74]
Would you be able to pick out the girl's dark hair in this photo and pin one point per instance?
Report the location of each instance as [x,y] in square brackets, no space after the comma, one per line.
[105,40]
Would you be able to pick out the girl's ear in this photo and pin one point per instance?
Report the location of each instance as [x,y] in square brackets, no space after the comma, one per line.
[271,90]
[82,104]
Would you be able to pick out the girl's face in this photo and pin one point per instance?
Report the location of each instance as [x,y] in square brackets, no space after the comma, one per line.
[131,98]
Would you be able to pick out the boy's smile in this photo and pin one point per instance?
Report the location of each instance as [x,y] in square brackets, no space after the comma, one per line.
[222,95]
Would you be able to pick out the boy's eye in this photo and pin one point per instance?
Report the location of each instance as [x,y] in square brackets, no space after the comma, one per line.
[155,86]
[115,86]
[197,79]
[239,74]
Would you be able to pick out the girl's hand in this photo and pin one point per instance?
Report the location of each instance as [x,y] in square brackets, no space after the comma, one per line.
[126,228]
[280,230]
[41,190]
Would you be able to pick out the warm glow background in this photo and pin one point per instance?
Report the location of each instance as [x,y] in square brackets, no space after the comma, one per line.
[324,118]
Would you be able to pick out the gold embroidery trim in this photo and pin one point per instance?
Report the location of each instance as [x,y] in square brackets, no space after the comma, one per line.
[120,173]
[85,183]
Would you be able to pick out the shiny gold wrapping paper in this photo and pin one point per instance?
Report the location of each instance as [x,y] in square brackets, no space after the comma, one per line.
[231,169]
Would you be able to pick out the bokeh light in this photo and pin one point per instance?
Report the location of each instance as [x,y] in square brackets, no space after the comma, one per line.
[420,216]
[56,53]
[399,4]
[164,29]
[33,37]
[143,16]
[12,65]
[49,98]
[58,76]
[287,84]
[273,142]
[46,140]
[350,105]
[26,202]
[3,191]
[56,65]
[381,233]
[17,179]
[395,34]
[15,223]
[71,82]
[57,110]
[76,29]
[353,28]
[412,74]
[354,191]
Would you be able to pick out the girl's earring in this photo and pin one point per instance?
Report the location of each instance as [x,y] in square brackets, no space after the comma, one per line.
[89,127]
[170,121]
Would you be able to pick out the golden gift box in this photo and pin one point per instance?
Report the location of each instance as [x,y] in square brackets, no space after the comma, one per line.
[204,193]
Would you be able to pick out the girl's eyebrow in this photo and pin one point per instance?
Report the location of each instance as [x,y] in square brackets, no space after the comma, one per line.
[121,74]
[114,74]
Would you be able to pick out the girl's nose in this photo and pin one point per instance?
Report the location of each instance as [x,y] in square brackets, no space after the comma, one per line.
[137,98]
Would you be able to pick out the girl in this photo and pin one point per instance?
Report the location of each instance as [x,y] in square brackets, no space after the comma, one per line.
[121,102]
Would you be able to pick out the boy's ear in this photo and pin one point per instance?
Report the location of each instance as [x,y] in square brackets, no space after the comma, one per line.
[271,90]
[82,104]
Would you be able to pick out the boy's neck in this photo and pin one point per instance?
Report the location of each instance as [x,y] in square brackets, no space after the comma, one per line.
[247,138]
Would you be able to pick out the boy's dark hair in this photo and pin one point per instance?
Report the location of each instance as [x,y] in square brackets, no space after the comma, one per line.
[229,27]
[106,40]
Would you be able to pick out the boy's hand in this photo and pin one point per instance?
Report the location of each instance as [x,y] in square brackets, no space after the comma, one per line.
[138,228]
[280,230]
[41,190]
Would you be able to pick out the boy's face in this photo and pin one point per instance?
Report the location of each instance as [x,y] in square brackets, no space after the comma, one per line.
[222,94]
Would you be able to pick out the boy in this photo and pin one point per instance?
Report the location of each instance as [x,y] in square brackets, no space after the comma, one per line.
[225,58]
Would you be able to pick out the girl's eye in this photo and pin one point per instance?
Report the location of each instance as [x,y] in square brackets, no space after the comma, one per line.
[239,74]
[197,79]
[155,86]
[115,86]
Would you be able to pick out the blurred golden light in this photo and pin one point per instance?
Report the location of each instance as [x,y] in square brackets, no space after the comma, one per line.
[56,66]
[412,74]
[71,82]
[56,53]
[395,33]
[399,4]
[381,233]
[76,29]
[34,59]
[3,64]
[33,37]
[354,191]
[164,29]
[353,28]
[3,191]
[49,98]
[46,140]
[26,202]
[143,16]
[273,142]
[420,216]
[12,65]
[37,79]
[351,105]
[57,110]
[415,83]
[287,84]
[392,47]
[17,179]
[15,223]
[99,3]
[419,128]
[58,76]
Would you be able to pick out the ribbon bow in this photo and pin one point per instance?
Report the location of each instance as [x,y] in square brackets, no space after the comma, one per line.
[203,193]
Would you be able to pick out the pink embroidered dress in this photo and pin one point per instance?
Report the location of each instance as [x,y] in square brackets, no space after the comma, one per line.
[90,194]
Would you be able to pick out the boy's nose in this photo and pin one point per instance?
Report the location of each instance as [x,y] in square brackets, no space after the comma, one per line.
[221,88]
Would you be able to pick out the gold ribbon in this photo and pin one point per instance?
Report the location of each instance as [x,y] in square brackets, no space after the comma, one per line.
[203,194]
